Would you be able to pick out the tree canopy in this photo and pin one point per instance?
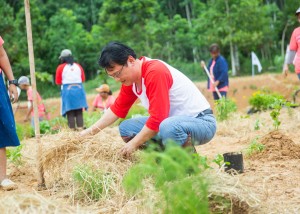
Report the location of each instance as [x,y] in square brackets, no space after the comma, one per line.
[177,31]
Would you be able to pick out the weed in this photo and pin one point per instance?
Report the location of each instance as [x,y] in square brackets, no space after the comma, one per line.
[92,183]
[253,87]
[176,176]
[224,107]
[254,147]
[14,155]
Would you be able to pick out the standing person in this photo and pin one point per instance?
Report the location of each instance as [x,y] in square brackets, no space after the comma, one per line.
[218,69]
[104,99]
[293,55]
[70,76]
[8,135]
[178,111]
[24,84]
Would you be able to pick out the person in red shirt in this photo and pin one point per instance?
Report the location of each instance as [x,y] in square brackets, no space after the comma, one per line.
[8,134]
[70,76]
[293,54]
[24,84]
[104,99]
[177,109]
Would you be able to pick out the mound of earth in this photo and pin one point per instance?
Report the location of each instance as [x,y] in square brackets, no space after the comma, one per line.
[278,146]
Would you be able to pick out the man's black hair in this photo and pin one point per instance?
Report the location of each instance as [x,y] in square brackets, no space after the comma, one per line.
[115,53]
[67,59]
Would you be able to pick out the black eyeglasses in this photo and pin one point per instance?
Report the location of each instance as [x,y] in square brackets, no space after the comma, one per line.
[116,74]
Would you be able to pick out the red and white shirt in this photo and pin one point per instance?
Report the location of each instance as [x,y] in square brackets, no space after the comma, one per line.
[166,92]
[295,46]
[69,74]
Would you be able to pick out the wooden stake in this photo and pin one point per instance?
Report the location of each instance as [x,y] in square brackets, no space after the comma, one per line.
[41,180]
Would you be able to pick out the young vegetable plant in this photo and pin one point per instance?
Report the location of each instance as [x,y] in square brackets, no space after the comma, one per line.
[254,147]
[224,108]
[14,155]
[219,160]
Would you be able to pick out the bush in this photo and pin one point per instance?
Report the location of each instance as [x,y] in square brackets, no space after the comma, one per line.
[264,100]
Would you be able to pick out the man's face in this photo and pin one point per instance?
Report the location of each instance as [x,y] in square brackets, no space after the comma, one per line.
[120,73]
[298,17]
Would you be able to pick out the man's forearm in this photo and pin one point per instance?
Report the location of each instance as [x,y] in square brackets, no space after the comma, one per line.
[143,136]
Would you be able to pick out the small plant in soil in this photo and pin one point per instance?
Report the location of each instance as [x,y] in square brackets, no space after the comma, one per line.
[254,147]
[257,125]
[224,108]
[14,155]
[93,184]
[219,160]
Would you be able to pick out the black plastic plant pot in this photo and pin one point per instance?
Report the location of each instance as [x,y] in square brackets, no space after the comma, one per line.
[235,162]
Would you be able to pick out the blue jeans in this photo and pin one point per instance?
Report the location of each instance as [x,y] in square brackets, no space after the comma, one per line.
[177,128]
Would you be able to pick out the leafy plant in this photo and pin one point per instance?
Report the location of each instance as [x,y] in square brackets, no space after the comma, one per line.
[219,160]
[254,147]
[224,107]
[264,100]
[92,183]
[176,176]
[14,155]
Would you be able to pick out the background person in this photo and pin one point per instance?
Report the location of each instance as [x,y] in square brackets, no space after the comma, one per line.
[178,110]
[24,84]
[70,76]
[218,69]
[104,99]
[293,55]
[8,135]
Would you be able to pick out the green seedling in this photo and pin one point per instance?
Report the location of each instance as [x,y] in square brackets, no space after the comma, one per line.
[93,184]
[257,125]
[14,155]
[254,147]
[224,108]
[219,160]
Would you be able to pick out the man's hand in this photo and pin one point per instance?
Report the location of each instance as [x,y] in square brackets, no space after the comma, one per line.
[285,70]
[13,93]
[128,149]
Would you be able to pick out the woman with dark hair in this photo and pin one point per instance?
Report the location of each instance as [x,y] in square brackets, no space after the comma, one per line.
[218,69]
[70,76]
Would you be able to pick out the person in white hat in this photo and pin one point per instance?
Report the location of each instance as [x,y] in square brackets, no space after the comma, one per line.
[70,76]
[104,99]
[293,54]
[8,134]
[24,84]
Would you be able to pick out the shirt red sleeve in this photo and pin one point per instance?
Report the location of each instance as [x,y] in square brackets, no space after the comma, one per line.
[124,101]
[158,81]
[58,76]
[293,41]
[82,73]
